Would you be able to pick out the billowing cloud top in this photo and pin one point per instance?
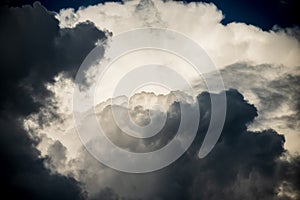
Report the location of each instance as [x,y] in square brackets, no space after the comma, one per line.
[225,44]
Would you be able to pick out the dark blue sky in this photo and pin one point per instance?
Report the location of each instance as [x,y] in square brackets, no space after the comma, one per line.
[262,13]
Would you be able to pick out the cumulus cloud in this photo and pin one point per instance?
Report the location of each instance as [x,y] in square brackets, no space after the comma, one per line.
[244,164]
[44,158]
[225,44]
[266,54]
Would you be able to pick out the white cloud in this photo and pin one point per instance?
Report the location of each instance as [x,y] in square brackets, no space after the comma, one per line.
[225,44]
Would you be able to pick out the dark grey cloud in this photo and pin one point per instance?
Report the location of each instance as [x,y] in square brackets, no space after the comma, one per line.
[289,86]
[56,156]
[23,175]
[273,85]
[34,49]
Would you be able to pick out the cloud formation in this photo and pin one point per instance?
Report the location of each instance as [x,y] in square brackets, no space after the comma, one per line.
[263,55]
[243,165]
[274,91]
[40,55]
[34,50]
[225,44]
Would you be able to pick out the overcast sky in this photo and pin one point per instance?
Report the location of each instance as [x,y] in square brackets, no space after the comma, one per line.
[254,46]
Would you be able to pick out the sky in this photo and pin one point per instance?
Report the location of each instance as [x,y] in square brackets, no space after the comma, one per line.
[253,46]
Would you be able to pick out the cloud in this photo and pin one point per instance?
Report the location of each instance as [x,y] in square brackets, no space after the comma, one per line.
[34,50]
[39,58]
[225,44]
[243,165]
[274,91]
[57,156]
[264,55]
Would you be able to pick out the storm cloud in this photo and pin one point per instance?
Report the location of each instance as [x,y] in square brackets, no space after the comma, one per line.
[34,49]
[43,158]
[244,164]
